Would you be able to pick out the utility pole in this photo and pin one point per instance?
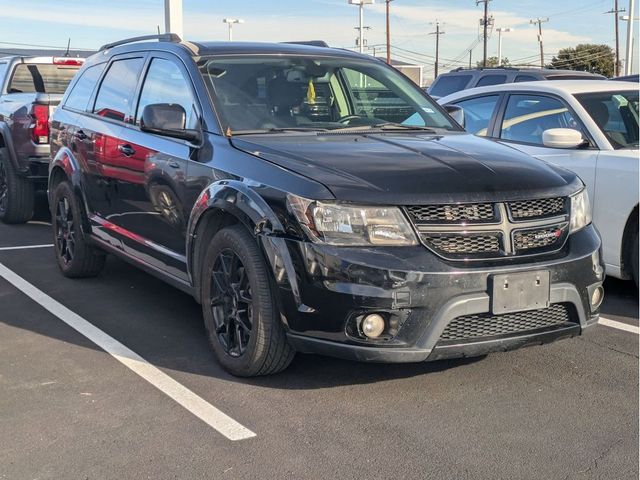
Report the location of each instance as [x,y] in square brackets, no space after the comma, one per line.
[616,18]
[539,21]
[361,27]
[437,33]
[629,51]
[485,25]
[173,17]
[500,31]
[470,57]
[389,33]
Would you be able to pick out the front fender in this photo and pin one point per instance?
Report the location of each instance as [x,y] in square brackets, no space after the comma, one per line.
[241,201]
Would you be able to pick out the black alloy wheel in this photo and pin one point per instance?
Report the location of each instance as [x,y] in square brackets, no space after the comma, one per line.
[75,256]
[241,315]
[66,231]
[231,303]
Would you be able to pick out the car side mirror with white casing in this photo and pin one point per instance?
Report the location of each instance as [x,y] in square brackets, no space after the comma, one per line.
[563,138]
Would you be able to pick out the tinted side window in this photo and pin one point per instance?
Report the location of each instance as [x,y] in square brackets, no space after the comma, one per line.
[527,116]
[117,89]
[491,80]
[526,78]
[79,95]
[165,83]
[448,84]
[477,113]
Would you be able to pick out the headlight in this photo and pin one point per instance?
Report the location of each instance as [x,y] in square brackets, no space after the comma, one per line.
[580,211]
[340,224]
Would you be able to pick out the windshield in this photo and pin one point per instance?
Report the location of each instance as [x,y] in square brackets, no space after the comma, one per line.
[265,93]
[616,114]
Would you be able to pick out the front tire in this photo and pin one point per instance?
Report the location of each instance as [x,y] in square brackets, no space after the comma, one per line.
[239,309]
[76,258]
[17,195]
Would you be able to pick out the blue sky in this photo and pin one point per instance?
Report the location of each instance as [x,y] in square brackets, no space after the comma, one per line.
[91,23]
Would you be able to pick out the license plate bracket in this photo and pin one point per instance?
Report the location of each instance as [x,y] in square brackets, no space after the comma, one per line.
[517,292]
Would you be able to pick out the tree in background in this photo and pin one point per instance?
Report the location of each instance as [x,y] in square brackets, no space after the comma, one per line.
[586,57]
[492,62]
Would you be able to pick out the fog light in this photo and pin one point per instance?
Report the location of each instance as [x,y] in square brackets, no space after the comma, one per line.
[596,297]
[373,325]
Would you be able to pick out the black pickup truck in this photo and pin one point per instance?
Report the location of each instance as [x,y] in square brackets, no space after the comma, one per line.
[30,89]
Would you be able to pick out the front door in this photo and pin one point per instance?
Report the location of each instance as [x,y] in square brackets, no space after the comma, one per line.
[151,206]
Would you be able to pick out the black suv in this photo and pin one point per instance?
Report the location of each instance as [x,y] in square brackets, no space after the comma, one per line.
[268,181]
[463,78]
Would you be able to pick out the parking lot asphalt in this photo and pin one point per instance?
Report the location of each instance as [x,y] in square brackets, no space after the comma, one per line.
[68,409]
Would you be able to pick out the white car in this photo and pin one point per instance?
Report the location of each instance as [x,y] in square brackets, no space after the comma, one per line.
[588,126]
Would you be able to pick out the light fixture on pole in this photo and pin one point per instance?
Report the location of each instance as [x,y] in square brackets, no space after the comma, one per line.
[500,31]
[230,22]
[361,27]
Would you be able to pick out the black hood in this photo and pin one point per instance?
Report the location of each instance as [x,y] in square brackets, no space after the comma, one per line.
[406,168]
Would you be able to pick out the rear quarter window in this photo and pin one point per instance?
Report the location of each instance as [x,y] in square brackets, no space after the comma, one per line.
[449,84]
[526,78]
[81,91]
[491,80]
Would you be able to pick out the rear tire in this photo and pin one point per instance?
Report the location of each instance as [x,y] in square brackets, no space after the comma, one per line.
[76,258]
[239,309]
[17,195]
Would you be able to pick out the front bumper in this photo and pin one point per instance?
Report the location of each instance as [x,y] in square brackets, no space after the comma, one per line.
[321,289]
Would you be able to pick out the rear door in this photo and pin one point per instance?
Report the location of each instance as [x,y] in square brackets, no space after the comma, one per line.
[97,136]
[151,198]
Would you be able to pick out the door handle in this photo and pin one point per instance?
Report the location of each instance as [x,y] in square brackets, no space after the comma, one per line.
[80,135]
[127,150]
[173,164]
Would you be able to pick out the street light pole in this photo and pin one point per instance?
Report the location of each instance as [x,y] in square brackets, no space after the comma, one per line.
[173,17]
[628,53]
[230,22]
[500,31]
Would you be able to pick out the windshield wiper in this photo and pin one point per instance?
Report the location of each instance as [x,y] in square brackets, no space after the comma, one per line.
[387,126]
[278,130]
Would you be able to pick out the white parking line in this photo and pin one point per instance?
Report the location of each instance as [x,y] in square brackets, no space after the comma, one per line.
[224,424]
[619,325]
[25,247]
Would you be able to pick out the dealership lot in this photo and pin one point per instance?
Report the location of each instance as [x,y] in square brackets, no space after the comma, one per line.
[68,409]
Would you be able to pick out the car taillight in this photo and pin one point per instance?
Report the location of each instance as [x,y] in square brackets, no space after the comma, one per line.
[40,125]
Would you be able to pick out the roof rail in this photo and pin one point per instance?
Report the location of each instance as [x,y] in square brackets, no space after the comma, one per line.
[163,37]
[311,43]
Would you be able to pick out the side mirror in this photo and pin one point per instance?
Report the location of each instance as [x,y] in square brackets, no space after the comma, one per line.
[562,138]
[456,112]
[168,119]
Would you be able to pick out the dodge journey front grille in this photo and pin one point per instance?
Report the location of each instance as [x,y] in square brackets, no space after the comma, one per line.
[477,231]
